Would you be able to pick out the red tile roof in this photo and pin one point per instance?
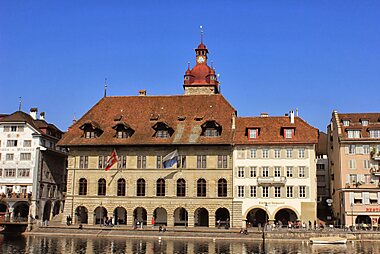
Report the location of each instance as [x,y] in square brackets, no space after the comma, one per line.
[356,124]
[178,112]
[271,131]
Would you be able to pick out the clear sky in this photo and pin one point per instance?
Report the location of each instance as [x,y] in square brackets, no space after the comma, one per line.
[272,56]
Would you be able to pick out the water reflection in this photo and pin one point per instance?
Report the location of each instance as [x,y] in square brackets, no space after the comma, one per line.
[42,245]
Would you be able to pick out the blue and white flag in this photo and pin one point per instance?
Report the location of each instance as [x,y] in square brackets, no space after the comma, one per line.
[170,160]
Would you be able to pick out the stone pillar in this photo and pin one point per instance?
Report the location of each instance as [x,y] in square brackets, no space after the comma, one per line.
[90,217]
[190,221]
[236,217]
[211,220]
[130,219]
[170,220]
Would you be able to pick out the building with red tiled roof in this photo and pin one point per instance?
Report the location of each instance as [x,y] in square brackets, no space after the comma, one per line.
[33,168]
[274,169]
[353,147]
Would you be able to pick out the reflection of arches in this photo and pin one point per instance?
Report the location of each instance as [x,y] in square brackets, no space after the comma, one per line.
[201,217]
[160,216]
[56,207]
[3,207]
[140,215]
[360,219]
[223,215]
[285,215]
[47,209]
[81,215]
[100,213]
[257,216]
[21,211]
[180,217]
[120,215]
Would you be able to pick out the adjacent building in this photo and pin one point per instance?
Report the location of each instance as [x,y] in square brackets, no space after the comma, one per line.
[274,169]
[353,147]
[32,167]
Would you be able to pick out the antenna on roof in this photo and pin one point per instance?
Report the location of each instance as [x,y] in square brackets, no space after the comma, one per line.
[201,27]
[105,87]
[20,103]
[188,65]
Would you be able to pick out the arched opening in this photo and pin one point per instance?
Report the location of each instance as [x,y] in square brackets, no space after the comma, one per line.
[102,187]
[140,216]
[222,217]
[180,217]
[201,217]
[20,211]
[120,216]
[3,212]
[47,209]
[160,188]
[56,207]
[201,188]
[285,215]
[82,186]
[256,217]
[140,187]
[181,187]
[100,214]
[363,221]
[81,215]
[121,187]
[222,187]
[160,216]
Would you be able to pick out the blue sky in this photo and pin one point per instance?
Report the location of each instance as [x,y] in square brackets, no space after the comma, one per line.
[272,56]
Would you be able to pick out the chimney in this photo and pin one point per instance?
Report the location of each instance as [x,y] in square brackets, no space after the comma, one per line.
[33,113]
[42,116]
[142,92]
[291,115]
[233,121]
[264,114]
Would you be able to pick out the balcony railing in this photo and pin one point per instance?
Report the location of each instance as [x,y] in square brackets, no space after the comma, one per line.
[375,171]
[16,196]
[271,180]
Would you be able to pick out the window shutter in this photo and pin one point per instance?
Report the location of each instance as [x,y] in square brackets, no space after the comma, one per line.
[307,192]
[346,149]
[307,172]
[271,171]
[295,172]
[365,196]
[259,195]
[351,198]
[359,150]
[347,178]
[378,198]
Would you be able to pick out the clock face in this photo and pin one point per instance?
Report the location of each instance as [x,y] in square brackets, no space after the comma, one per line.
[201,59]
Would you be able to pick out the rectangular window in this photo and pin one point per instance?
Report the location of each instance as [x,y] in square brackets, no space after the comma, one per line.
[9,156]
[265,191]
[25,156]
[352,149]
[289,153]
[302,193]
[252,172]
[366,149]
[222,161]
[11,143]
[288,133]
[374,133]
[277,153]
[253,133]
[277,171]
[321,167]
[253,191]
[122,161]
[365,122]
[7,128]
[181,161]
[301,172]
[265,172]
[353,134]
[346,122]
[289,171]
[141,161]
[83,162]
[10,172]
[159,161]
[162,134]
[253,153]
[352,164]
[353,178]
[301,153]
[201,161]
[240,172]
[289,191]
[265,153]
[366,164]
[102,161]
[240,191]
[277,192]
[23,172]
[27,143]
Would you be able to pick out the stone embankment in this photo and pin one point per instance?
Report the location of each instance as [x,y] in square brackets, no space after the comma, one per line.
[199,233]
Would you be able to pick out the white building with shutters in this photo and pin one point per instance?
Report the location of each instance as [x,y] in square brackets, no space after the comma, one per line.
[275,169]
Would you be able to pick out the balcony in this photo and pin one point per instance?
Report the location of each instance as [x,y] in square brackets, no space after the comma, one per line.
[375,171]
[12,196]
[375,154]
[271,180]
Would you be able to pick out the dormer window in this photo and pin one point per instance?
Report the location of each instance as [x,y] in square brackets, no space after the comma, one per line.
[288,133]
[346,122]
[123,130]
[163,130]
[91,129]
[353,133]
[365,122]
[211,129]
[374,133]
[253,133]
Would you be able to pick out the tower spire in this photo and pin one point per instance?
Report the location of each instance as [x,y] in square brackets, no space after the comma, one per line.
[201,28]
[20,103]
[105,87]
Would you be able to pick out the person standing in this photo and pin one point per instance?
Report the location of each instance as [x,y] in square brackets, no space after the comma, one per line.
[153,222]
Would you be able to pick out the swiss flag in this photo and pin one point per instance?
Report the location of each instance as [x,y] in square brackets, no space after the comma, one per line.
[112,160]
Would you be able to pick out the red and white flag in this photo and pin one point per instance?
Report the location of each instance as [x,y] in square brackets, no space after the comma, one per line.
[112,160]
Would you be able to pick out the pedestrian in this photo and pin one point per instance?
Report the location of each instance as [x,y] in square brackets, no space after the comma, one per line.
[153,222]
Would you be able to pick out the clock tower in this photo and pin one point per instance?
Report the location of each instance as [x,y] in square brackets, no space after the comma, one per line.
[201,79]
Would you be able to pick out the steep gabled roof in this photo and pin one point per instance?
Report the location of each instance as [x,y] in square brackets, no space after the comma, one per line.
[356,124]
[271,131]
[183,113]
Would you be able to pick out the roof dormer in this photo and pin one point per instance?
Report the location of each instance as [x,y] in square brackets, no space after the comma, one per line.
[252,132]
[123,130]
[91,129]
[211,129]
[288,132]
[163,130]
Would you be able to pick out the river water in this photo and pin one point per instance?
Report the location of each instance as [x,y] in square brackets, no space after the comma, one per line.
[11,244]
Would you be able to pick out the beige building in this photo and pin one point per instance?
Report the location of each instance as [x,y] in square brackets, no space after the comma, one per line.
[275,169]
[354,145]
[197,127]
